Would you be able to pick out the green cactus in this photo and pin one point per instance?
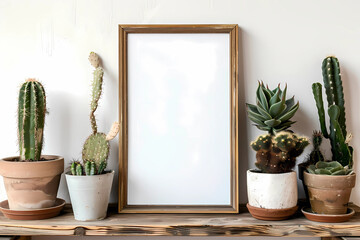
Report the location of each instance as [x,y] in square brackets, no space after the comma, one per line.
[329,168]
[272,111]
[341,151]
[316,154]
[284,141]
[96,147]
[73,167]
[79,169]
[31,120]
[96,88]
[90,168]
[87,166]
[101,168]
[281,154]
[262,142]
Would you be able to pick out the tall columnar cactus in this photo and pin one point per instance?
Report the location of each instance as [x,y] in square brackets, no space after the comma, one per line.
[31,120]
[96,147]
[341,151]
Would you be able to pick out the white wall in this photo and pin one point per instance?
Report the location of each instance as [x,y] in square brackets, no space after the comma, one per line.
[280,41]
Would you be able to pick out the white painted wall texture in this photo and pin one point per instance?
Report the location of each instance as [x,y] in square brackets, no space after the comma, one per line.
[281,41]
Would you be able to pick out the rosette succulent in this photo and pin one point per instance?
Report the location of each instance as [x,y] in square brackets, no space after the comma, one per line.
[272,112]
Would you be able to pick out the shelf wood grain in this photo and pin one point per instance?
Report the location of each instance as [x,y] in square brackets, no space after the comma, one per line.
[180,225]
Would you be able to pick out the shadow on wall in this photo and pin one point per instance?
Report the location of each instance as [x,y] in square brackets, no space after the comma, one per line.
[65,130]
[303,118]
[242,131]
[113,163]
[110,103]
[350,91]
[350,85]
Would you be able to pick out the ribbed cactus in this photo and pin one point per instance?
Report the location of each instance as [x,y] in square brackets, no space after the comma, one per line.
[31,120]
[341,151]
[277,154]
[96,147]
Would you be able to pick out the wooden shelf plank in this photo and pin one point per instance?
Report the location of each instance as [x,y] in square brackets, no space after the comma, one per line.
[180,225]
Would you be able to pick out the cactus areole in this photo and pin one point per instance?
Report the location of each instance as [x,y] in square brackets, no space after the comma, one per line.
[276,152]
[31,120]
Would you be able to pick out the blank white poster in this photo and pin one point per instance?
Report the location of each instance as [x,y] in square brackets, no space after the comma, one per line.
[178,119]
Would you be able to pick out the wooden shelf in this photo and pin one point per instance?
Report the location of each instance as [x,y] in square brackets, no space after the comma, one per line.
[180,225]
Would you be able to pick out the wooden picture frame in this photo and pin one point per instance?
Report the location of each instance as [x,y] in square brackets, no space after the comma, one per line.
[183,31]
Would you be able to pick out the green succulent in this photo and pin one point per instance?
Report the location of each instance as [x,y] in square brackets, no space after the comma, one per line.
[329,168]
[272,111]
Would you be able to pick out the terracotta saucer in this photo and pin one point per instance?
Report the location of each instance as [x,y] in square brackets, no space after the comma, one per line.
[34,214]
[329,218]
[271,214]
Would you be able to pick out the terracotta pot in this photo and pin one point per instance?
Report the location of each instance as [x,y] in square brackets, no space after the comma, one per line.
[31,185]
[275,191]
[329,194]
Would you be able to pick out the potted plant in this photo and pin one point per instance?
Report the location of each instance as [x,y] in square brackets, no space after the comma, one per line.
[272,190]
[329,183]
[31,179]
[88,182]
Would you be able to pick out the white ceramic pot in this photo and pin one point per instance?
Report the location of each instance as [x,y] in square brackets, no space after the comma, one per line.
[90,195]
[272,190]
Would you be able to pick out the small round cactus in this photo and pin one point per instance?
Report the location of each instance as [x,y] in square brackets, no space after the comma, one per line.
[262,142]
[280,151]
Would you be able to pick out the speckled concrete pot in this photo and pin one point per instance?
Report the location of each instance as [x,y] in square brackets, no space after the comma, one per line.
[90,195]
[272,190]
[329,194]
[272,196]
[31,185]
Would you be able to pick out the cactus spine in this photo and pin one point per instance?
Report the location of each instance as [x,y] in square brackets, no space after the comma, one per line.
[340,149]
[31,120]
[96,147]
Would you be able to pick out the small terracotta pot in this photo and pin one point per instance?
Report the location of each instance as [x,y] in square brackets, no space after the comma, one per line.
[31,185]
[329,194]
